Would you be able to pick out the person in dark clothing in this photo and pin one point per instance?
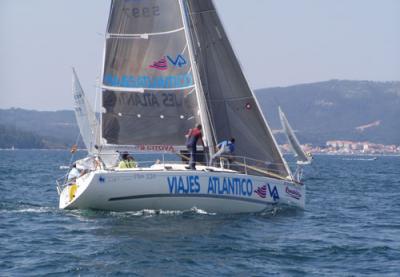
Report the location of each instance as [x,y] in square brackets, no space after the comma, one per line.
[193,136]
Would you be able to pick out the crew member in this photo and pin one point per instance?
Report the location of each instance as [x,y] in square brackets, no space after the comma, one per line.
[74,173]
[225,148]
[193,136]
[127,161]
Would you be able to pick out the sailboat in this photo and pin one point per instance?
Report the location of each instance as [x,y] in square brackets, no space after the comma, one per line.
[301,157]
[168,65]
[85,116]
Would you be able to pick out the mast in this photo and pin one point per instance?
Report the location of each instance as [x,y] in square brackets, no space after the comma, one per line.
[199,89]
[100,85]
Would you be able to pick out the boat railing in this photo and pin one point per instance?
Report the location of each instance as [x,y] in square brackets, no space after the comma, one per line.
[241,164]
[62,182]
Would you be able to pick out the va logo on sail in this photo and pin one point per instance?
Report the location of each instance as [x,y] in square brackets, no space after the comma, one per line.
[162,64]
[179,61]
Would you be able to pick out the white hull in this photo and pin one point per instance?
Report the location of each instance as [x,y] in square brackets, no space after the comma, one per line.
[217,192]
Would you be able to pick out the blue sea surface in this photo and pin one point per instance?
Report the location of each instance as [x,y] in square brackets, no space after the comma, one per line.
[351,227]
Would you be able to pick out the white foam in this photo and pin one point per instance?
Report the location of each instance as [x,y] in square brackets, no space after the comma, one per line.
[151,213]
[200,211]
[29,210]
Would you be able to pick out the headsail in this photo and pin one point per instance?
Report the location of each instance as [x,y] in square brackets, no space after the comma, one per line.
[233,109]
[292,139]
[149,95]
[84,114]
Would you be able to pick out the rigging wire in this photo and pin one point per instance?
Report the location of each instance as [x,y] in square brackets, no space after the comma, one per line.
[72,156]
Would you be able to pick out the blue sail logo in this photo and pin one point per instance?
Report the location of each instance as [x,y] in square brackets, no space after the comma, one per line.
[162,64]
[179,61]
[155,81]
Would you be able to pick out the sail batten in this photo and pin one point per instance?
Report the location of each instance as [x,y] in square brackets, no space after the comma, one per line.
[142,89]
[148,34]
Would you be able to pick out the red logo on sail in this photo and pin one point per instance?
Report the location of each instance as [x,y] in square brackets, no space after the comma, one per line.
[160,64]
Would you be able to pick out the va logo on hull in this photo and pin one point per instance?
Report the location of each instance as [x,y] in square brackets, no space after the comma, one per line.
[262,192]
[273,193]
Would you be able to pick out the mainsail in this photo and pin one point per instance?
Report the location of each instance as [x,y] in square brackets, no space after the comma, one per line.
[233,109]
[169,64]
[84,115]
[149,93]
[292,139]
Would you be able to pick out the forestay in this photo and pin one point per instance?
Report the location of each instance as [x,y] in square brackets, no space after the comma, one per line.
[149,95]
[84,114]
[233,110]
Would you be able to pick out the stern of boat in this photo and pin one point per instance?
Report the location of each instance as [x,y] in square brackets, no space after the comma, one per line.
[69,192]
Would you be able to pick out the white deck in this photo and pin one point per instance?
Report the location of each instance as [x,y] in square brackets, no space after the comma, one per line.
[176,167]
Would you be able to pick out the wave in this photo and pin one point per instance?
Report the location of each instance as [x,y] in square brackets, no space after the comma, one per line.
[149,212]
[360,159]
[87,214]
[27,209]
[145,213]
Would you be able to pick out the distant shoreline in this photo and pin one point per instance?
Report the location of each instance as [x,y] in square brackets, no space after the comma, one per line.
[315,154]
[355,155]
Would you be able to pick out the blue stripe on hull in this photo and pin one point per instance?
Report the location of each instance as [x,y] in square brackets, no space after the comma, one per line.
[189,195]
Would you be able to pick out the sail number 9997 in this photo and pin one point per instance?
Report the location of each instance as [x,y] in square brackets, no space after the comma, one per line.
[146,11]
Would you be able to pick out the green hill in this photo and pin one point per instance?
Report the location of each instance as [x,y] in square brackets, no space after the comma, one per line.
[53,129]
[347,110]
[11,137]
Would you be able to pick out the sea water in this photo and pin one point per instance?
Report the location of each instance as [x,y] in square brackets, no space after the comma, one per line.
[351,227]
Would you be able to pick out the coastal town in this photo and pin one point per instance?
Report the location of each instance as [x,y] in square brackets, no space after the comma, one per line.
[345,147]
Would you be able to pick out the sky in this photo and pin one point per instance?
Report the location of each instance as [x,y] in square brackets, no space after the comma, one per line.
[278,43]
